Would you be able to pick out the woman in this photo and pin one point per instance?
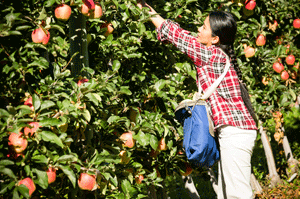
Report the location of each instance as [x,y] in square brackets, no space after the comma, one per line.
[234,126]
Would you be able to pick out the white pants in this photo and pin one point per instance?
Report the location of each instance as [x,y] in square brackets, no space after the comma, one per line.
[236,146]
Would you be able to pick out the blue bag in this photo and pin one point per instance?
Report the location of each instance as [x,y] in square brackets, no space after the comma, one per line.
[200,146]
[198,140]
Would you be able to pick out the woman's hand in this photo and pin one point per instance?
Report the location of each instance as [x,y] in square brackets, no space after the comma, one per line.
[157,20]
[141,4]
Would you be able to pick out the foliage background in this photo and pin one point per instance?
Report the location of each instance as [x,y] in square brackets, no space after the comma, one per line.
[135,83]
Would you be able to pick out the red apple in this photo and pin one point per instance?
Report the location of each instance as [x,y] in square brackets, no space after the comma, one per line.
[139,179]
[284,75]
[261,40]
[86,181]
[17,142]
[89,3]
[278,67]
[28,102]
[250,4]
[109,27]
[29,184]
[85,10]
[249,51]
[188,170]
[290,60]
[40,36]
[34,127]
[97,13]
[296,23]
[162,146]
[51,173]
[63,12]
[82,81]
[127,139]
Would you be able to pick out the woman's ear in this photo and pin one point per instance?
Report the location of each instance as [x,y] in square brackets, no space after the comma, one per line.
[215,40]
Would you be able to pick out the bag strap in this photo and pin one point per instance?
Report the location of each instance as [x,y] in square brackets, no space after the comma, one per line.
[214,86]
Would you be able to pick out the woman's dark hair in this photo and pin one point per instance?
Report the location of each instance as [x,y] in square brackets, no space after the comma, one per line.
[224,26]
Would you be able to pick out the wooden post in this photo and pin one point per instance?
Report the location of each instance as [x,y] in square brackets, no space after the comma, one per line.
[78,43]
[190,187]
[273,175]
[293,164]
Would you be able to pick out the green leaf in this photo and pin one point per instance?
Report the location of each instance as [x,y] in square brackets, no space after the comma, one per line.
[263,21]
[49,3]
[65,158]
[47,104]
[70,173]
[42,178]
[59,28]
[8,172]
[127,188]
[86,114]
[6,162]
[113,119]
[36,102]
[153,142]
[116,65]
[25,27]
[23,190]
[48,136]
[47,122]
[14,32]
[142,138]
[40,159]
[3,113]
[92,98]
[125,90]
[9,186]
[293,94]
[43,14]
[160,84]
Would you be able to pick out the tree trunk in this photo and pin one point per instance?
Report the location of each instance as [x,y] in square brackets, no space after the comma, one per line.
[273,175]
[78,43]
[190,187]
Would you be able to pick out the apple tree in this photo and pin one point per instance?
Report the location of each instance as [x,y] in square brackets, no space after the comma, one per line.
[92,92]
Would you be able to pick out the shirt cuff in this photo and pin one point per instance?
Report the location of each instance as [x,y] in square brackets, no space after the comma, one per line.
[163,30]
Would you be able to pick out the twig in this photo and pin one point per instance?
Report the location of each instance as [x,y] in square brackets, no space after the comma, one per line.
[64,68]
[5,50]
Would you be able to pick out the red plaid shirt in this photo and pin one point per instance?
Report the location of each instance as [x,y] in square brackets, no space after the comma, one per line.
[226,104]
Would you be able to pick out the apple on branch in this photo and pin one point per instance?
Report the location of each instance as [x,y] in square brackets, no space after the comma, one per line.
[29,184]
[32,129]
[127,139]
[51,173]
[17,142]
[109,28]
[278,67]
[249,51]
[284,75]
[250,4]
[63,12]
[290,60]
[86,181]
[261,40]
[28,102]
[296,23]
[40,35]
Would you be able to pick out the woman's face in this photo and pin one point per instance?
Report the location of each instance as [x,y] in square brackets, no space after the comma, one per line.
[204,34]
